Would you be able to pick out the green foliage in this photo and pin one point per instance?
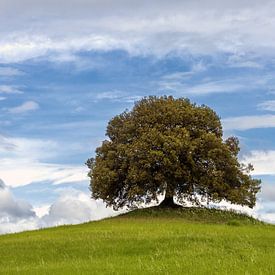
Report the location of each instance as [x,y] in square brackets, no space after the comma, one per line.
[171,146]
[145,242]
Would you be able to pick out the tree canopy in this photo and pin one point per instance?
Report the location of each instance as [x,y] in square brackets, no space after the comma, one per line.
[173,147]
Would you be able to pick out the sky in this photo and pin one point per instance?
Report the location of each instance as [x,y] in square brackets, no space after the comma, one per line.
[67,67]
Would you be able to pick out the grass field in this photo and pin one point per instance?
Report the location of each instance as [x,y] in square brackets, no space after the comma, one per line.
[149,241]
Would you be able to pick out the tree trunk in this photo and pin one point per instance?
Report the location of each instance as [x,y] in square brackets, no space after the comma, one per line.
[168,202]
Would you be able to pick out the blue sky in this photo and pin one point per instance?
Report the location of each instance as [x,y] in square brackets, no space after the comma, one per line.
[66,68]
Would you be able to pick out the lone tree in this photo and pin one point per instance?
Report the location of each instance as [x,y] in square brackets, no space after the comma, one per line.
[173,147]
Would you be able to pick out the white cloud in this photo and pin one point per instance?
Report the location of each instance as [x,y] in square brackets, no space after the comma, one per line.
[28,160]
[6,89]
[241,60]
[72,207]
[6,144]
[24,107]
[42,210]
[8,72]
[268,192]
[248,122]
[196,68]
[117,96]
[24,161]
[38,46]
[267,217]
[18,172]
[27,148]
[75,207]
[77,62]
[15,215]
[214,87]
[268,105]
[72,125]
[263,162]
[177,82]
[154,27]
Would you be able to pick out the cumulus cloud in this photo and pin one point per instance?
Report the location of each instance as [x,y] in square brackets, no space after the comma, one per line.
[75,207]
[15,215]
[24,107]
[9,206]
[72,207]
[139,27]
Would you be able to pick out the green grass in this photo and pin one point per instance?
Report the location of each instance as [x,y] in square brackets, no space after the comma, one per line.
[149,241]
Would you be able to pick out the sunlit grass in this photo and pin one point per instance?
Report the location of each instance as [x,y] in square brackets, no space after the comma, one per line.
[186,241]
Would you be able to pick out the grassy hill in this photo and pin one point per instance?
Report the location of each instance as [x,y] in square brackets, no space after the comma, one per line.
[148,241]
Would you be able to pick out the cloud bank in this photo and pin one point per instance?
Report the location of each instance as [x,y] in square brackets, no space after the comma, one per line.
[241,28]
[72,207]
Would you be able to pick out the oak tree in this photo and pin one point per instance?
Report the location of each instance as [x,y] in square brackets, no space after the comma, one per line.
[173,147]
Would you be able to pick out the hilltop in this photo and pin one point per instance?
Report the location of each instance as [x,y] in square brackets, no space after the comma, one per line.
[194,215]
[147,241]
